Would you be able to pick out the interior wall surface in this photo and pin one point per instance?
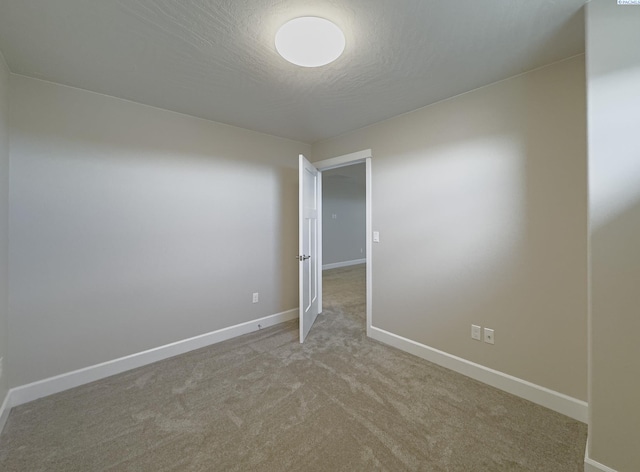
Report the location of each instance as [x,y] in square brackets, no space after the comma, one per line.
[133,227]
[481,205]
[343,214]
[613,78]
[4,226]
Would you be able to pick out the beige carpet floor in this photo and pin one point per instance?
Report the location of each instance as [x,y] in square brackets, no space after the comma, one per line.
[263,402]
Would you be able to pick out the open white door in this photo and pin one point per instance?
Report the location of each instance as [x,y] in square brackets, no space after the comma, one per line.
[310,247]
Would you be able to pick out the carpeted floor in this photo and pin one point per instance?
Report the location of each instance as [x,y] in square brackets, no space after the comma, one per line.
[263,402]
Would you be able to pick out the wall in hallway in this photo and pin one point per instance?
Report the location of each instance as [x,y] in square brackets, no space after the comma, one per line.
[343,215]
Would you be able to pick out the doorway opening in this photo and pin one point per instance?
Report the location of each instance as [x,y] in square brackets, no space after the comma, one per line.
[346,218]
[344,242]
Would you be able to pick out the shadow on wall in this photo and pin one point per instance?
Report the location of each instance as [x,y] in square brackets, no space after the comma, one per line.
[615,352]
[285,262]
[553,278]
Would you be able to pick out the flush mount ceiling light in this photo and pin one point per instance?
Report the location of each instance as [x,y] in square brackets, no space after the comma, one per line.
[310,41]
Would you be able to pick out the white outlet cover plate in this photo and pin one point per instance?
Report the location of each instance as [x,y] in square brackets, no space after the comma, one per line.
[475,332]
[489,336]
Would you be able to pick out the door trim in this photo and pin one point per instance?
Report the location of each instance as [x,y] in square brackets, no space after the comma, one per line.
[346,160]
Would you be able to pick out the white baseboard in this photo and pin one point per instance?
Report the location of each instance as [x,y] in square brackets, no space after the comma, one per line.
[569,406]
[42,388]
[594,466]
[4,410]
[337,265]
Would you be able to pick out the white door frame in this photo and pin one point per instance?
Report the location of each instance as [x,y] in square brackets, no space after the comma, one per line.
[346,160]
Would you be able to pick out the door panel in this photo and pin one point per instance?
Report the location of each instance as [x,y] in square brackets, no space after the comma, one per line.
[310,265]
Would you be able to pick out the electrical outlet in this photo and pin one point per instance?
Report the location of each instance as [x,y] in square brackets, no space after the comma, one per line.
[475,332]
[489,336]
[256,297]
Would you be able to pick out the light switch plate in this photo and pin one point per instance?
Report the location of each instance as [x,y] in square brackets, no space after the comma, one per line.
[376,236]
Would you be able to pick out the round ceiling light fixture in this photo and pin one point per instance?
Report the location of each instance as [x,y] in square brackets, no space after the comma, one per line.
[310,41]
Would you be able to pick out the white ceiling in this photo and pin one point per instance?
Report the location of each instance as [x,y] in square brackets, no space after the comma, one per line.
[216,59]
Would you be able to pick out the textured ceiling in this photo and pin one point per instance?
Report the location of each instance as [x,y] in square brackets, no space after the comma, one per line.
[216,59]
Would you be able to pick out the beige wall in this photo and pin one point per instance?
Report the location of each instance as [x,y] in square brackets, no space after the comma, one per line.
[613,78]
[133,227]
[4,222]
[481,205]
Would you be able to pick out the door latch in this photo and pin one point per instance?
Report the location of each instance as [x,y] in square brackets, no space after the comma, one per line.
[303,258]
